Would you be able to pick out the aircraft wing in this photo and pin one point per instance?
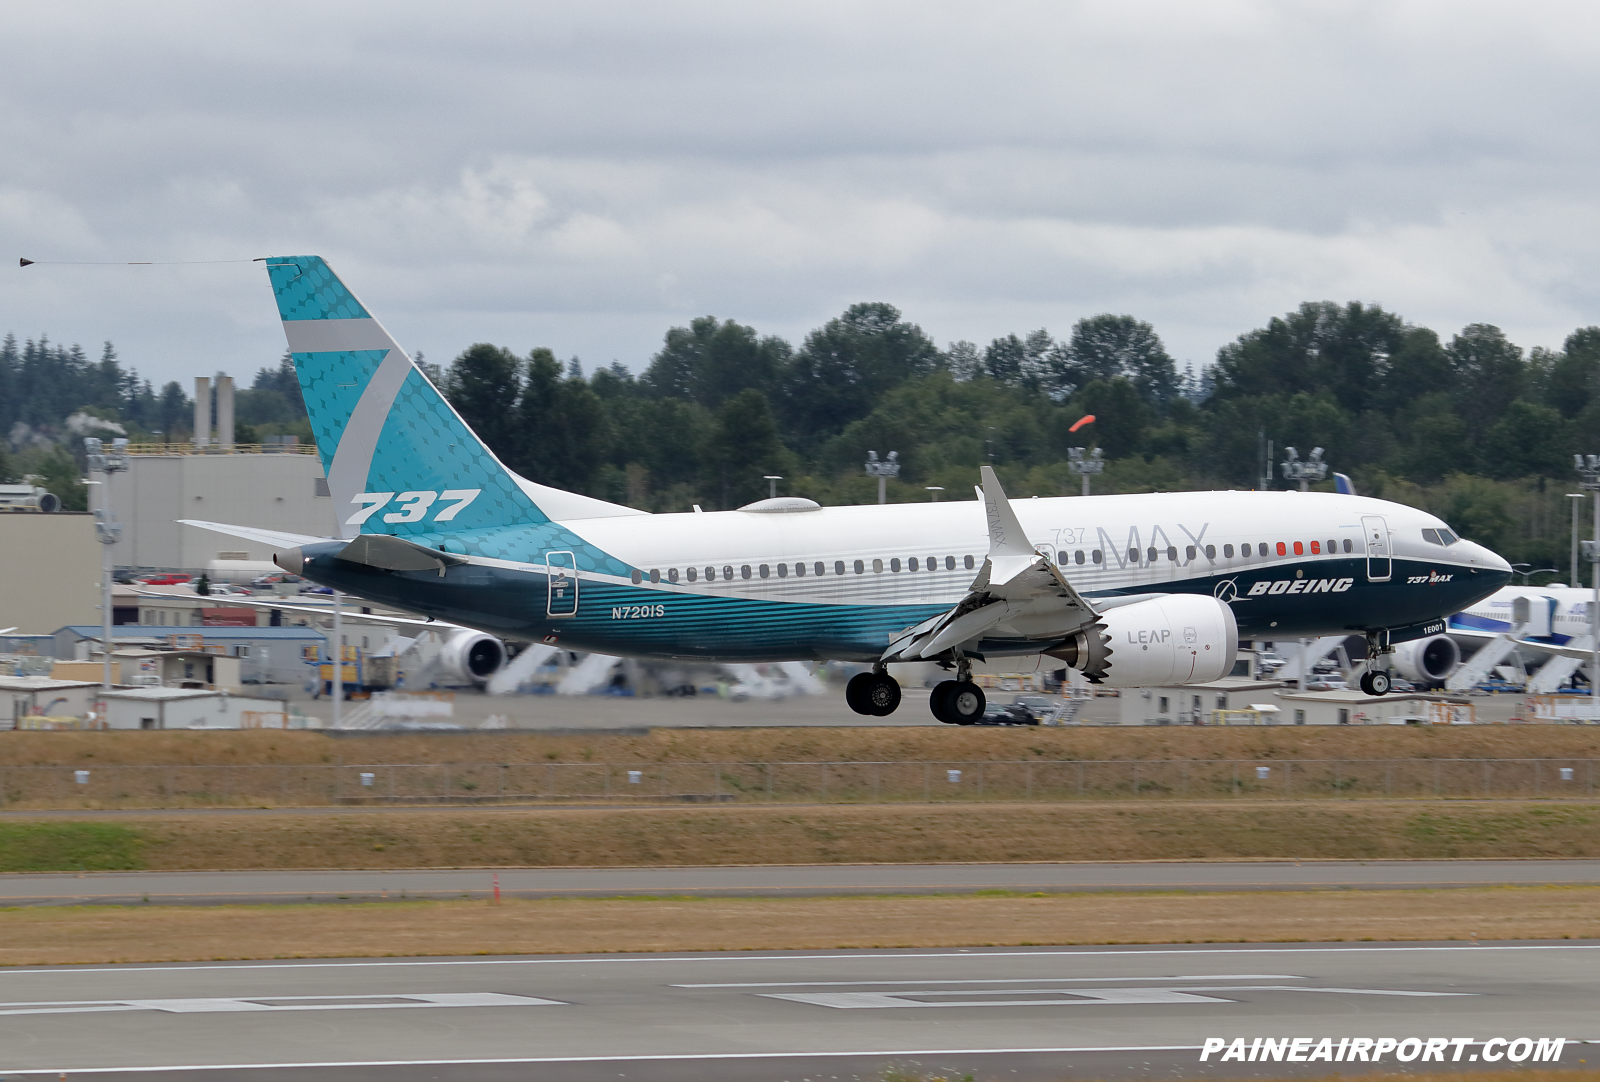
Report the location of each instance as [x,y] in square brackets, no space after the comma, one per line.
[277,538]
[1018,592]
[1582,653]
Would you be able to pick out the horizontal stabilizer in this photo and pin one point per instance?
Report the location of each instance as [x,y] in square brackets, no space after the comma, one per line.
[275,538]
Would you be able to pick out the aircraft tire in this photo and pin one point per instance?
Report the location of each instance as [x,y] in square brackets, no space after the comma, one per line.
[964,703]
[938,700]
[1375,682]
[855,692]
[883,695]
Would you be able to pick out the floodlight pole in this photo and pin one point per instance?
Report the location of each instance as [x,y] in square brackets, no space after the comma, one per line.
[889,467]
[1086,466]
[772,480]
[338,656]
[1311,469]
[933,492]
[1588,467]
[1575,497]
[108,532]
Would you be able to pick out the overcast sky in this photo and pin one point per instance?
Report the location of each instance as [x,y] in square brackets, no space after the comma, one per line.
[582,176]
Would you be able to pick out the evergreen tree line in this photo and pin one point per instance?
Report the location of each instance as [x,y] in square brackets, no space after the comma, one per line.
[1475,428]
[52,396]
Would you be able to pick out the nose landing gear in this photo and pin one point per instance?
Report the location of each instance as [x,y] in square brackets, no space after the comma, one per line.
[1375,681]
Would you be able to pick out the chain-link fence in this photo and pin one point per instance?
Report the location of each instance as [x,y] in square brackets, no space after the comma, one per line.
[792,782]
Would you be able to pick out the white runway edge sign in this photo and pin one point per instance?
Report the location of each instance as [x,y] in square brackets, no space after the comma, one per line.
[1375,1049]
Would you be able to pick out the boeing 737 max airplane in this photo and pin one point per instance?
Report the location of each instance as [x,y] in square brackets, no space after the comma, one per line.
[1131,590]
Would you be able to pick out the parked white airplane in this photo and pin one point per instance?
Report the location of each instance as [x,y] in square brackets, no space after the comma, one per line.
[1130,590]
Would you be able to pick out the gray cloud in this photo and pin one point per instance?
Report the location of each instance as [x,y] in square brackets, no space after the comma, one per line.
[583,176]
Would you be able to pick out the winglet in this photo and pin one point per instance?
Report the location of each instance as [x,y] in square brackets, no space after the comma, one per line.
[1005,532]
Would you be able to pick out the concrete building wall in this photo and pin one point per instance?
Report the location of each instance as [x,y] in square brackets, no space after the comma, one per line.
[269,491]
[51,573]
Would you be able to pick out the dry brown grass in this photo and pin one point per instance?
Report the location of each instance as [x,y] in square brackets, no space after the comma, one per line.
[939,744]
[578,926]
[849,834]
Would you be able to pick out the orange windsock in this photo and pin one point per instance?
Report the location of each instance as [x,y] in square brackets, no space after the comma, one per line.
[1086,419]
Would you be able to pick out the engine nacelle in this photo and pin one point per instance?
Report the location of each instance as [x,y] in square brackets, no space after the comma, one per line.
[1427,661]
[1177,639]
[472,655]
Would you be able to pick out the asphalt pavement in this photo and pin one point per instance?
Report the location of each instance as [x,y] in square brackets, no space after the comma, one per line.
[1023,1014]
[215,888]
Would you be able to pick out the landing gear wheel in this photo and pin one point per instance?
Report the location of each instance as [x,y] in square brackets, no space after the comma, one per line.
[939,700]
[1375,682]
[964,703]
[855,692]
[882,695]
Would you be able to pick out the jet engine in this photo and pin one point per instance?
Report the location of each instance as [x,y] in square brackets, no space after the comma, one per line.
[472,655]
[1427,661]
[1175,639]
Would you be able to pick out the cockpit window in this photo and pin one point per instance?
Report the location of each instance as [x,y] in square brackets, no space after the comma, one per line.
[1447,537]
[1439,537]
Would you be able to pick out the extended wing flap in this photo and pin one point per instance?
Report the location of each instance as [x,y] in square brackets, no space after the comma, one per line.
[1018,591]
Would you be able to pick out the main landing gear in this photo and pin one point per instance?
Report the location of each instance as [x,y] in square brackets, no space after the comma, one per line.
[1375,681]
[958,701]
[873,693]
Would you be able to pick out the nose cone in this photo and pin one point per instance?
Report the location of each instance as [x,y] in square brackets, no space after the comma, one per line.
[1484,559]
[294,561]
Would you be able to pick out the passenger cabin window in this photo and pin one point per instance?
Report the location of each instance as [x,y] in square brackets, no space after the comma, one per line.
[838,567]
[799,570]
[744,572]
[860,567]
[1347,544]
[1189,553]
[783,571]
[877,567]
[1316,548]
[969,562]
[949,563]
[1282,550]
[912,565]
[821,569]
[1077,557]
[933,563]
[691,573]
[1333,546]
[672,575]
[636,576]
[1227,552]
[765,571]
[655,574]
[727,572]
[1172,553]
[1133,556]
[1211,552]
[1299,549]
[894,565]
[1098,556]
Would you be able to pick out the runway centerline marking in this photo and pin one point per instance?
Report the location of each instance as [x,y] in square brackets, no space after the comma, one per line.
[1009,980]
[1063,997]
[282,1003]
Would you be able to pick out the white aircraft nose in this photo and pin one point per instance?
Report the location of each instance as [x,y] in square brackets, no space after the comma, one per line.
[1479,556]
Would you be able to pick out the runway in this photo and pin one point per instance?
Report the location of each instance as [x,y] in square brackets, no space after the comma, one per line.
[215,888]
[1024,1014]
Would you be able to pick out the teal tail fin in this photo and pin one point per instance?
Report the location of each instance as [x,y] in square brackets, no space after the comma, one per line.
[399,459]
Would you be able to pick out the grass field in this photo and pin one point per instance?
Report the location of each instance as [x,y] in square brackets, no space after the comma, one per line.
[938,744]
[827,834]
[101,934]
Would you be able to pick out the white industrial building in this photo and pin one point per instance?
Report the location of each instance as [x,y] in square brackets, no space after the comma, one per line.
[40,696]
[177,708]
[1193,704]
[51,574]
[275,486]
[267,655]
